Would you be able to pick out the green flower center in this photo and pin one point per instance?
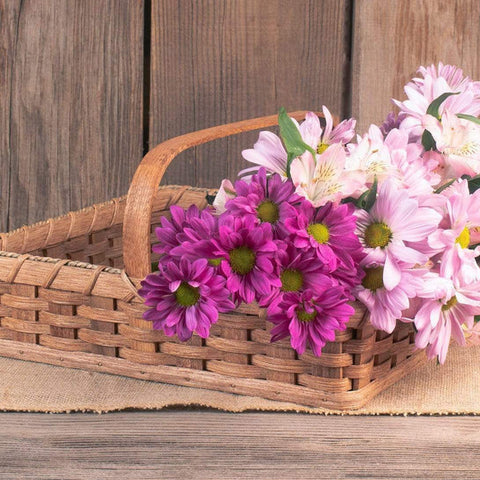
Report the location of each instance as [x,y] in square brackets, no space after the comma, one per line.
[267,211]
[292,280]
[451,303]
[378,235]
[242,260]
[215,262]
[303,316]
[464,238]
[319,232]
[322,147]
[186,295]
[373,279]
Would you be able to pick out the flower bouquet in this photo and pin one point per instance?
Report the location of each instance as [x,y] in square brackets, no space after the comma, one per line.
[326,217]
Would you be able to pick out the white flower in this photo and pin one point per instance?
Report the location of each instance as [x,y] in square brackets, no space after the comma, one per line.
[458,140]
[324,179]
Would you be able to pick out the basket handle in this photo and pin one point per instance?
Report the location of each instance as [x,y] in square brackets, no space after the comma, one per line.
[145,182]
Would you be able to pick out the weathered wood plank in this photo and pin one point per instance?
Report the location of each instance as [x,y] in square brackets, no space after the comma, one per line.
[9,12]
[75,126]
[211,445]
[218,62]
[392,39]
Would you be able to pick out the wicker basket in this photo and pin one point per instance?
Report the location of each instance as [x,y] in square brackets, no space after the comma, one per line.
[66,299]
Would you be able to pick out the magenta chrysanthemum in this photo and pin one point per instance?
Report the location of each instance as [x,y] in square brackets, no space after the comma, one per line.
[248,257]
[266,199]
[330,232]
[311,320]
[186,232]
[299,270]
[185,297]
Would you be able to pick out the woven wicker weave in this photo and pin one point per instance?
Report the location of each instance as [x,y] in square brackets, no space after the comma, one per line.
[66,299]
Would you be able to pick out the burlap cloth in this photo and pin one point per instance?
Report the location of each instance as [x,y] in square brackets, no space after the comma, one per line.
[453,388]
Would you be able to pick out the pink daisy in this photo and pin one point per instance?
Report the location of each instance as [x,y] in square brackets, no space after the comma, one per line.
[311,320]
[461,213]
[446,305]
[185,297]
[472,334]
[386,230]
[386,306]
[413,172]
[421,92]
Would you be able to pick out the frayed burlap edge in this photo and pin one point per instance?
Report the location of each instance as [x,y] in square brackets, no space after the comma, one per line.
[450,389]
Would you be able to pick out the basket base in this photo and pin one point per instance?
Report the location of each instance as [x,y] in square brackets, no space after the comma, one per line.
[271,390]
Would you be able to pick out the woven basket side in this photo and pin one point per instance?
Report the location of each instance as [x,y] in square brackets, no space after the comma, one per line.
[85,309]
[90,234]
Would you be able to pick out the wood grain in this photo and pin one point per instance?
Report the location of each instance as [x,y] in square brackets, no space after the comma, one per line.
[9,14]
[392,39]
[217,62]
[74,71]
[211,445]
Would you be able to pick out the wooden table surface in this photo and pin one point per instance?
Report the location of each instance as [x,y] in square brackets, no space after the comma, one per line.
[199,444]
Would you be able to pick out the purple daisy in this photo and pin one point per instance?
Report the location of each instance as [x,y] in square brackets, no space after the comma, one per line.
[311,319]
[266,199]
[330,232]
[185,234]
[299,270]
[185,297]
[248,257]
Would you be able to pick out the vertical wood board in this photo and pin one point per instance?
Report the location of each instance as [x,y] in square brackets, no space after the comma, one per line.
[217,62]
[75,124]
[391,39]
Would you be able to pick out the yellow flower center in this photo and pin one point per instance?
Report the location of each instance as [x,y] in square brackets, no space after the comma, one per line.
[378,235]
[450,304]
[373,279]
[292,280]
[267,211]
[303,316]
[464,238]
[186,295]
[322,147]
[215,262]
[319,232]
[242,260]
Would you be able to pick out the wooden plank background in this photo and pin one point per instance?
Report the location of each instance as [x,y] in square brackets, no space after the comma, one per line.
[88,85]
[174,445]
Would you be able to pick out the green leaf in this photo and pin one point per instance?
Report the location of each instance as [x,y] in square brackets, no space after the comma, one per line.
[444,186]
[474,184]
[292,139]
[469,117]
[435,105]
[349,200]
[428,141]
[476,318]
[367,199]
[154,266]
